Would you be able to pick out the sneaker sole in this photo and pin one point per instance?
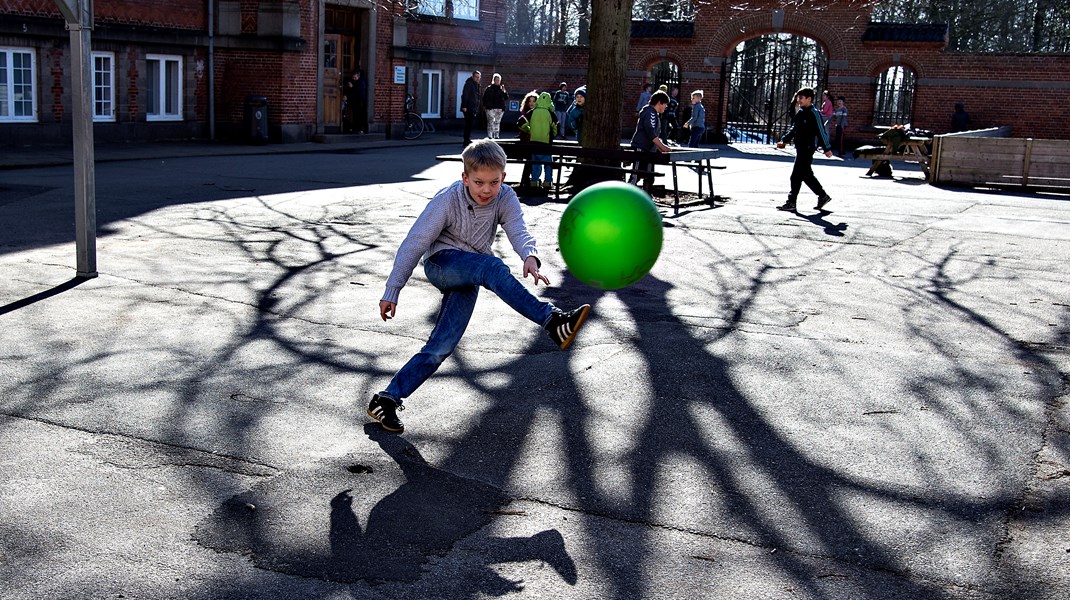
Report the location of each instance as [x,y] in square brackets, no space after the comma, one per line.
[383,425]
[583,317]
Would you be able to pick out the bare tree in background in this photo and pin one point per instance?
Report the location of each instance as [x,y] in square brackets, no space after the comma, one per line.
[568,22]
[991,25]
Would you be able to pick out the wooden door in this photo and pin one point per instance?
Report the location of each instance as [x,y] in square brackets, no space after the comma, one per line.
[332,84]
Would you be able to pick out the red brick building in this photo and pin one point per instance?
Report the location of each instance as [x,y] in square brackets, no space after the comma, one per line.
[162,72]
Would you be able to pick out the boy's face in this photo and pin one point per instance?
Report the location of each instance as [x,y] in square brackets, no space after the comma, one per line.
[696,99]
[483,184]
[805,101]
[580,100]
[660,107]
[839,103]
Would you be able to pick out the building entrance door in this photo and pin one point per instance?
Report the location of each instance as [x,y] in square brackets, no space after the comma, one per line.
[332,84]
[342,51]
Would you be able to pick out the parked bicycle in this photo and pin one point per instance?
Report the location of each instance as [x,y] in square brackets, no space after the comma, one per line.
[414,123]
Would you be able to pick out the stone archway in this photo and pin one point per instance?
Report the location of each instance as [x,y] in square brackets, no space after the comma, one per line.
[739,29]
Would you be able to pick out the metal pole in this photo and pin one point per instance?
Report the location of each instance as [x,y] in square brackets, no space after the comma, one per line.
[211,70]
[85,196]
[79,16]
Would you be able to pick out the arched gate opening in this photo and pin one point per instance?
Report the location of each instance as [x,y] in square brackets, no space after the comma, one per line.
[762,77]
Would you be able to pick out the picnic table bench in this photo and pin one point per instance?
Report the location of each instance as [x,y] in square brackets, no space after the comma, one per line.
[621,161]
[903,148]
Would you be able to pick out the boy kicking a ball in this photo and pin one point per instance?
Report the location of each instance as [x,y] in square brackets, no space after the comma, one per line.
[454,235]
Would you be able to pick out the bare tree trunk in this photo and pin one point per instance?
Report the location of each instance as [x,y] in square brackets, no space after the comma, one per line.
[611,28]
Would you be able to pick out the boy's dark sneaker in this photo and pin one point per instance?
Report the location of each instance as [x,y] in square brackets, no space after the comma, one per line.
[384,409]
[822,200]
[563,326]
[788,206]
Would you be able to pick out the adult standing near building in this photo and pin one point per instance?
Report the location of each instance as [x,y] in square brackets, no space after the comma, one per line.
[494,100]
[355,90]
[960,119]
[470,104]
[562,100]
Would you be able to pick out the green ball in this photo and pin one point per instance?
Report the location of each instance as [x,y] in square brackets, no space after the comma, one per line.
[610,235]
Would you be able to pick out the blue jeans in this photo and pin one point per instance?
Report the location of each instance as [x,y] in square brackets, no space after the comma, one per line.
[538,163]
[459,275]
[696,136]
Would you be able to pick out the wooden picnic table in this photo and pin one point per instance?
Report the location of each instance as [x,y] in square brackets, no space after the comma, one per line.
[912,150]
[569,153]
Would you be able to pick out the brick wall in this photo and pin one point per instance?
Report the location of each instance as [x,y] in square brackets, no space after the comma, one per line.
[1031,93]
[171,14]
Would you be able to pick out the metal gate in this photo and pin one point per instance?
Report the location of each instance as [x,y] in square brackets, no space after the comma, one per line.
[763,75]
[667,73]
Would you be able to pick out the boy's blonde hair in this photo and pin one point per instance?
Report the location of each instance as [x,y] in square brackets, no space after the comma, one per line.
[483,154]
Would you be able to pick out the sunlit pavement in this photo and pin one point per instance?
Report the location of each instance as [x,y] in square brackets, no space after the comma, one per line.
[863,403]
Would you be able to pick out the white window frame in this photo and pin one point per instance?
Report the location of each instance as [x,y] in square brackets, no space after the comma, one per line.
[104,92]
[7,86]
[166,88]
[462,78]
[430,102]
[465,10]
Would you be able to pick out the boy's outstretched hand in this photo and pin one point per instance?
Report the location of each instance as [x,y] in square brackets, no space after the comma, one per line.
[387,308]
[531,267]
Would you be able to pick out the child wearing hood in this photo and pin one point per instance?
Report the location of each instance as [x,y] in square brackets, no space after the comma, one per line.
[541,124]
[575,112]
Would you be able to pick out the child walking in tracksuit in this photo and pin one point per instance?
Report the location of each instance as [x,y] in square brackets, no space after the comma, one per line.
[454,235]
[807,130]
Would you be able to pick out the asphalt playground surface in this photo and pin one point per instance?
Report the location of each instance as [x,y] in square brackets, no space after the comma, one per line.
[864,403]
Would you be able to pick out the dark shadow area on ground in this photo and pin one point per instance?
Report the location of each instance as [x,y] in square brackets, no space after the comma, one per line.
[36,215]
[59,289]
[413,510]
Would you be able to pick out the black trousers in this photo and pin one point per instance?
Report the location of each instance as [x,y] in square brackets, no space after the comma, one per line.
[469,121]
[803,172]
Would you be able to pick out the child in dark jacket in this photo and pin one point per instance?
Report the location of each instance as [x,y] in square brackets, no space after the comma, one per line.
[807,130]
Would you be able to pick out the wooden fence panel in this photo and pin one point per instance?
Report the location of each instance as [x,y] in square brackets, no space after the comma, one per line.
[964,159]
